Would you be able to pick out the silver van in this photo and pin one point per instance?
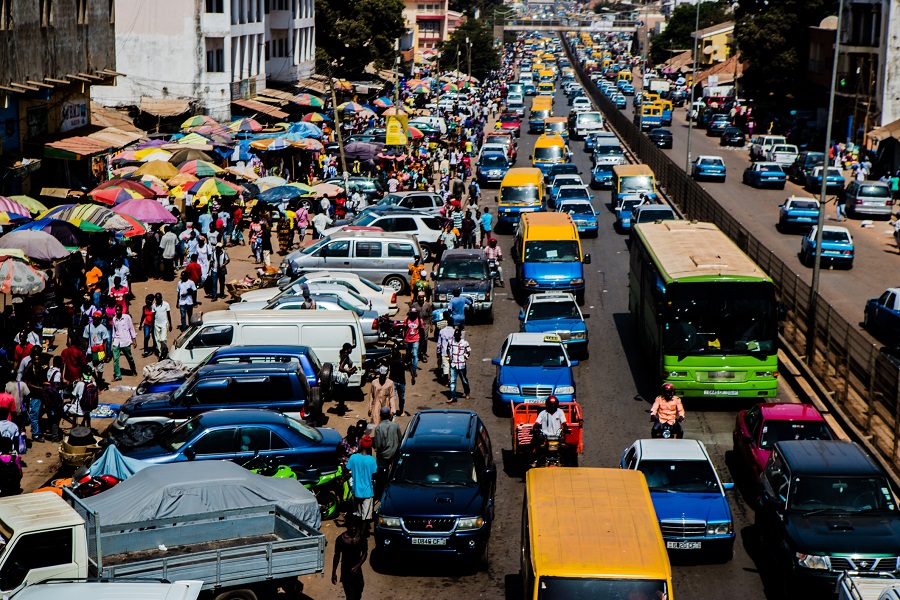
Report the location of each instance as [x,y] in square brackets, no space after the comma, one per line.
[868,198]
[381,257]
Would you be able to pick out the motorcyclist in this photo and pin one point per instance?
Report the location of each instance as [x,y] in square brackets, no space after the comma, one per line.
[494,253]
[667,409]
[549,424]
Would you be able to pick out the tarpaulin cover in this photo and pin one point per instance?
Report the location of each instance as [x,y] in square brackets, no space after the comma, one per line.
[111,462]
[192,488]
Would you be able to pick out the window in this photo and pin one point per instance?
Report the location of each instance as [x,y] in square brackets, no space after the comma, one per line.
[401,250]
[215,6]
[36,551]
[398,224]
[337,249]
[274,388]
[46,8]
[219,441]
[214,336]
[81,12]
[215,55]
[368,249]
[254,439]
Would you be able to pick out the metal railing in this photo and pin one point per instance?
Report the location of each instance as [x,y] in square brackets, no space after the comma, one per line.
[564,23]
[860,382]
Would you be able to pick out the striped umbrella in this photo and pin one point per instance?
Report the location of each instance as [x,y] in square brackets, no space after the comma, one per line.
[415,133]
[30,203]
[308,100]
[382,102]
[449,87]
[120,182]
[181,179]
[306,189]
[244,172]
[350,107]
[135,227]
[314,117]
[213,186]
[200,168]
[265,183]
[193,138]
[156,153]
[278,143]
[245,125]
[20,278]
[116,195]
[198,120]
[8,205]
[89,214]
[310,144]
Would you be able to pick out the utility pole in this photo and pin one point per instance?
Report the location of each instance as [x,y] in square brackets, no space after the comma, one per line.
[397,72]
[820,223]
[468,57]
[340,136]
[687,162]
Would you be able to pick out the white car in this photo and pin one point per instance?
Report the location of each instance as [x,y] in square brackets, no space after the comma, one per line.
[427,229]
[783,154]
[331,289]
[581,104]
[380,295]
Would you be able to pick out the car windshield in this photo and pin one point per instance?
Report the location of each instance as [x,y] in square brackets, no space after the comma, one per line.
[549,311]
[733,131]
[711,161]
[636,183]
[558,126]
[568,169]
[567,180]
[539,115]
[845,494]
[572,192]
[590,117]
[173,439]
[310,433]
[874,191]
[719,318]
[778,431]
[549,153]
[366,220]
[535,356]
[804,205]
[430,468]
[770,168]
[629,204]
[314,247]
[509,118]
[692,476]
[522,194]
[835,236]
[390,199]
[578,208]
[552,251]
[661,213]
[493,160]
[462,269]
[497,139]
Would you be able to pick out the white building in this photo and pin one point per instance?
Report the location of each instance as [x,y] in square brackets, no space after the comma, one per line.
[211,52]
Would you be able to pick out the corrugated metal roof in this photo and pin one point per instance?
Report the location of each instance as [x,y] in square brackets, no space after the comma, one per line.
[261,108]
[76,147]
[171,107]
[279,94]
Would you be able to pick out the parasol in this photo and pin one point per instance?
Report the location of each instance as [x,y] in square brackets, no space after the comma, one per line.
[329,189]
[198,120]
[351,107]
[85,215]
[158,168]
[146,211]
[245,125]
[244,172]
[308,100]
[360,151]
[200,168]
[282,193]
[30,203]
[182,156]
[114,194]
[314,117]
[19,277]
[66,234]
[37,245]
[8,205]
[265,183]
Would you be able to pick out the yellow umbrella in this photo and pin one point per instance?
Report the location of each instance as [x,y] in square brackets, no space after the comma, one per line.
[30,203]
[142,154]
[158,168]
[183,178]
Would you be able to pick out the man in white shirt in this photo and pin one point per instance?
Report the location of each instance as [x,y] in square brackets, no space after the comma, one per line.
[551,419]
[161,315]
[187,295]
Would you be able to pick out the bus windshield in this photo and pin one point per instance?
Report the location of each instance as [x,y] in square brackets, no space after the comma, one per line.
[525,194]
[720,318]
[549,153]
[636,183]
[572,588]
[552,251]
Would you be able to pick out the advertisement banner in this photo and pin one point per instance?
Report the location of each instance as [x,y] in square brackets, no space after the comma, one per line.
[74,115]
[396,130]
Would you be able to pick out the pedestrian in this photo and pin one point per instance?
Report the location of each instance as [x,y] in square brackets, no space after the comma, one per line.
[413,328]
[97,336]
[382,393]
[397,367]
[840,202]
[350,551]
[74,360]
[426,312]
[186,293]
[147,324]
[363,468]
[301,215]
[266,245]
[308,302]
[53,402]
[220,262]
[193,269]
[123,340]
[459,351]
[468,231]
[445,336]
[387,439]
[487,224]
[119,293]
[416,272]
[86,396]
[457,306]
[320,222]
[161,315]
[345,370]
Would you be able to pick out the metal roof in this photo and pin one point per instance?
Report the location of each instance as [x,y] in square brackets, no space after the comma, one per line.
[35,512]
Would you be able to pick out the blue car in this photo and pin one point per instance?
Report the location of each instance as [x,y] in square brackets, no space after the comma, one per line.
[708,167]
[558,313]
[834,180]
[602,176]
[798,213]
[560,180]
[688,496]
[239,434]
[624,211]
[582,212]
[531,367]
[837,247]
[491,168]
[627,88]
[621,101]
[765,174]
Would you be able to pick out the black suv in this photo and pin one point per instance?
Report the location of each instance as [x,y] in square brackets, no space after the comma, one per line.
[439,499]
[469,271]
[806,161]
[826,507]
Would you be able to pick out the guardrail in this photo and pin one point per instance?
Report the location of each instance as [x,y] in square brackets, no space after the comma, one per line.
[862,384]
[563,24]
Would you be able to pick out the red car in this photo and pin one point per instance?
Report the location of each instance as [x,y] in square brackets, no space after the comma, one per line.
[510,122]
[756,430]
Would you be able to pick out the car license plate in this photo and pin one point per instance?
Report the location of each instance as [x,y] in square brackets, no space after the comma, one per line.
[535,401]
[720,375]
[720,392]
[429,541]
[683,545]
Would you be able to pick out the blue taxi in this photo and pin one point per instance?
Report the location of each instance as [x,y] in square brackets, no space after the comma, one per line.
[558,313]
[582,212]
[799,213]
[530,367]
[837,247]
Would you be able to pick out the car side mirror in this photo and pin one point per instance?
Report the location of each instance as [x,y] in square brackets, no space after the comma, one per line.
[727,486]
[495,361]
[530,157]
[574,363]
[585,315]
[521,315]
[587,259]
[190,454]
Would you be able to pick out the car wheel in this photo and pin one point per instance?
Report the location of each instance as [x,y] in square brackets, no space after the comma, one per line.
[484,559]
[781,187]
[326,380]
[489,318]
[426,253]
[396,283]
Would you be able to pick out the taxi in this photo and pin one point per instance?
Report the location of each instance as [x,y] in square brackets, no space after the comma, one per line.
[531,367]
[557,313]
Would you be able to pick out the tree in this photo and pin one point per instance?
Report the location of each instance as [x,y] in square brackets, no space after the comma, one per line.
[772,39]
[351,34]
[483,57]
[680,26]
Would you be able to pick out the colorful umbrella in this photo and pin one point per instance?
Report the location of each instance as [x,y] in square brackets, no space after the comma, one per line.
[8,205]
[120,182]
[282,193]
[181,179]
[343,85]
[65,233]
[308,100]
[124,170]
[329,189]
[244,172]
[382,102]
[270,144]
[183,156]
[314,117]
[394,111]
[136,227]
[200,168]
[20,278]
[156,185]
[86,215]
[193,138]
[415,133]
[36,245]
[245,125]
[123,157]
[146,211]
[115,195]
[198,120]
[156,153]
[310,144]
[158,168]
[11,218]
[419,87]
[30,203]
[156,143]
[213,186]
[265,183]
[307,190]
[449,87]
[350,107]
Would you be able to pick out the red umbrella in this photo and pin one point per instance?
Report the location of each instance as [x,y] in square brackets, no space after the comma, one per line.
[137,228]
[116,195]
[129,184]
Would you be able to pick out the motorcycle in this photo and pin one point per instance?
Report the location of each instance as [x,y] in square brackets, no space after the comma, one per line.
[330,485]
[375,357]
[389,329]
[91,485]
[554,451]
[494,269]
[268,466]
[666,431]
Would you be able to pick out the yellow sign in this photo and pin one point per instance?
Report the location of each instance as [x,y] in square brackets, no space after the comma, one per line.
[396,130]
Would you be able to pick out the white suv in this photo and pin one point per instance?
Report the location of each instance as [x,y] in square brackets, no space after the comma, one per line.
[425,228]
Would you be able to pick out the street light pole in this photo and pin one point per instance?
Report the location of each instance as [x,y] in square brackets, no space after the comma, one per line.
[687,162]
[820,223]
[468,57]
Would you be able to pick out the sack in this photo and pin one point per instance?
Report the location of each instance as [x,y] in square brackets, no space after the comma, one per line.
[90,398]
[340,378]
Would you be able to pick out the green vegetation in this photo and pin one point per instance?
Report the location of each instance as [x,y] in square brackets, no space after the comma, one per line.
[484,56]
[351,34]
[677,35]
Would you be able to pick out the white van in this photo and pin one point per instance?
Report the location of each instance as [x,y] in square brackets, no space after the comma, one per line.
[323,331]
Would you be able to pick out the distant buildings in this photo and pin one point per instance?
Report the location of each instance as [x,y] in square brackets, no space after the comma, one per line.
[429,22]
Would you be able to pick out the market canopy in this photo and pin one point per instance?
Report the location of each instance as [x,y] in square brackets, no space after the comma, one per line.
[65,233]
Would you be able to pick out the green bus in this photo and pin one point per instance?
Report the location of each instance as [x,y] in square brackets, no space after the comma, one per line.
[706,314]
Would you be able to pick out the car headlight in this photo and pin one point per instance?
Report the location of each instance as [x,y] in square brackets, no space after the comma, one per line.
[467,523]
[442,297]
[811,561]
[509,389]
[530,283]
[578,335]
[576,281]
[564,389]
[479,296]
[719,528]
[389,522]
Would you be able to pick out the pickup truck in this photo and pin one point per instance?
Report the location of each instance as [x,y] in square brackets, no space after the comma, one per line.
[245,553]
[855,587]
[108,590]
[882,316]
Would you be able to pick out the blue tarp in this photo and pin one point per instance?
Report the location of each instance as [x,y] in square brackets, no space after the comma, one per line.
[111,462]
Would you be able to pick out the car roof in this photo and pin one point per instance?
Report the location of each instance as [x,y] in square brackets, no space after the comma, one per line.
[532,339]
[836,229]
[247,369]
[441,430]
[409,193]
[463,253]
[552,297]
[805,198]
[564,201]
[789,411]
[682,449]
[580,186]
[765,163]
[709,156]
[355,233]
[238,416]
[826,457]
[267,350]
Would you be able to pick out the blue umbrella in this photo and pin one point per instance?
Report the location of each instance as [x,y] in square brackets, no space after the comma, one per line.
[282,193]
[68,234]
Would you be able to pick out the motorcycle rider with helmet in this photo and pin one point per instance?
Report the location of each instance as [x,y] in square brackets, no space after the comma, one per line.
[495,255]
[667,409]
[550,423]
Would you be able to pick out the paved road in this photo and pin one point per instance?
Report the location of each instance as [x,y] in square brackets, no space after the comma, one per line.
[877,263]
[607,384]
